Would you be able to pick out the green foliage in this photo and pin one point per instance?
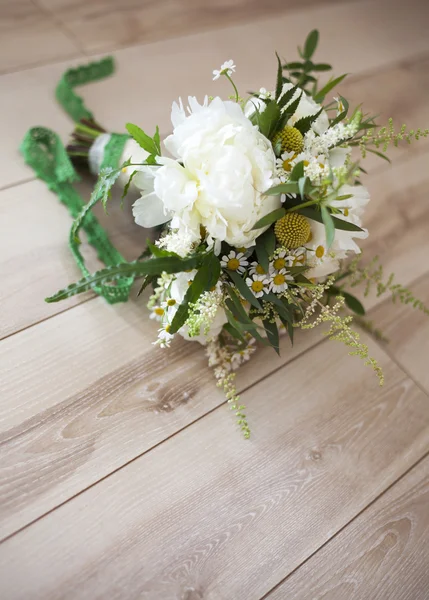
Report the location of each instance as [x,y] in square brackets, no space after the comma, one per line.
[319,97]
[304,124]
[372,276]
[387,136]
[243,288]
[272,334]
[301,72]
[329,225]
[153,266]
[151,145]
[265,246]
[206,278]
[268,119]
[270,218]
[127,185]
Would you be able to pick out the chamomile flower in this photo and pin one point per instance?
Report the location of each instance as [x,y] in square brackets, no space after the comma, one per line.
[286,162]
[279,281]
[234,261]
[164,338]
[256,269]
[227,68]
[169,307]
[258,284]
[280,260]
[157,312]
[243,354]
[296,257]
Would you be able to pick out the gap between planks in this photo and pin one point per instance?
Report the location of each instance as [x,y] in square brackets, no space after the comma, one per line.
[346,525]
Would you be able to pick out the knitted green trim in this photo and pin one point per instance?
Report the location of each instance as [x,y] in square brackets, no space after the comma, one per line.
[69,100]
[113,150]
[43,151]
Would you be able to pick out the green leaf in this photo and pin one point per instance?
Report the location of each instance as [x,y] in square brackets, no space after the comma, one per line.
[311,44]
[289,111]
[127,185]
[351,301]
[144,140]
[287,96]
[159,252]
[320,96]
[157,140]
[101,192]
[270,218]
[293,65]
[268,119]
[265,246]
[233,332]
[207,276]
[243,288]
[341,224]
[279,84]
[147,281]
[304,185]
[282,188]
[297,171]
[153,266]
[304,124]
[281,308]
[379,154]
[329,225]
[321,67]
[272,334]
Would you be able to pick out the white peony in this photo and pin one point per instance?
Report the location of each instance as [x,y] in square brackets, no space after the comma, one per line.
[222,165]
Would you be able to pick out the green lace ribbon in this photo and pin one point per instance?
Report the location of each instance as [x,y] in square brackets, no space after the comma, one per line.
[44,152]
[65,94]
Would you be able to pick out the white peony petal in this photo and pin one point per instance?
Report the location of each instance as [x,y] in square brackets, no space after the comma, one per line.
[149,211]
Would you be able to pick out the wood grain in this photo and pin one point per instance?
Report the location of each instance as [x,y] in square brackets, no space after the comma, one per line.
[28,36]
[211,515]
[104,24]
[86,392]
[381,555]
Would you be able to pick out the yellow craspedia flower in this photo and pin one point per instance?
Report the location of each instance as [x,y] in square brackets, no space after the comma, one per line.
[290,138]
[292,230]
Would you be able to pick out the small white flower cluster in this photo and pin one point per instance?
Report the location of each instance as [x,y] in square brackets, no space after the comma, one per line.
[228,68]
[180,243]
[203,312]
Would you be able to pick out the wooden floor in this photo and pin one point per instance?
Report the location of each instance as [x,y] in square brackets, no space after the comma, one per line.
[122,473]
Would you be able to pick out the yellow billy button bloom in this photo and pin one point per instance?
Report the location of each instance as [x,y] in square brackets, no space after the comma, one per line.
[292,230]
[290,140]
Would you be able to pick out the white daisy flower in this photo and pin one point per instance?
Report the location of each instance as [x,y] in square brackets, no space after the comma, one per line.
[296,257]
[157,312]
[279,281]
[228,68]
[164,338]
[235,261]
[258,284]
[256,269]
[280,261]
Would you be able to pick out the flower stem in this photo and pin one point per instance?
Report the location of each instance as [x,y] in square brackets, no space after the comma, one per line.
[302,205]
[234,86]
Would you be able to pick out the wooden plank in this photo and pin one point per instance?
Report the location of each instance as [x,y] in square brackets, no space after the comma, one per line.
[211,515]
[86,392]
[408,333]
[382,554]
[29,36]
[35,258]
[104,24]
[141,91]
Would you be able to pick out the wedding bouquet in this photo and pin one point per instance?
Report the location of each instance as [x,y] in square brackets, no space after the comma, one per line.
[261,207]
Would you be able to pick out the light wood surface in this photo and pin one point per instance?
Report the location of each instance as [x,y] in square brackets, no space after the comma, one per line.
[122,473]
[209,513]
